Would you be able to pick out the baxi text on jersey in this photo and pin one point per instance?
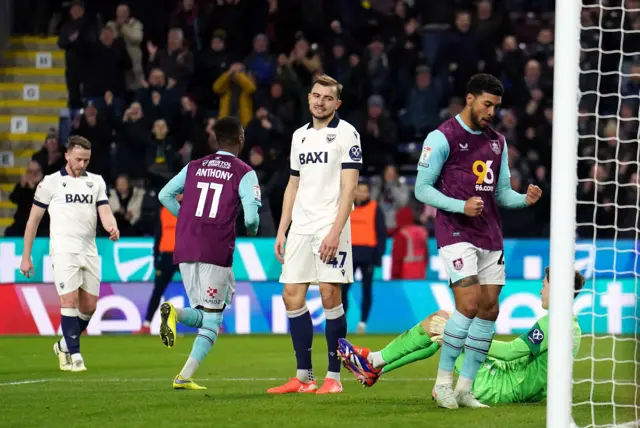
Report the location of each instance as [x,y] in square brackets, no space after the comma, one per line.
[313,157]
[78,199]
[214,173]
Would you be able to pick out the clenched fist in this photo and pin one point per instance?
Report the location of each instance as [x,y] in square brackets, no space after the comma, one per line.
[534,193]
[473,207]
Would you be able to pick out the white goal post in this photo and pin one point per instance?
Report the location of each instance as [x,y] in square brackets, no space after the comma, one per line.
[595,195]
[564,182]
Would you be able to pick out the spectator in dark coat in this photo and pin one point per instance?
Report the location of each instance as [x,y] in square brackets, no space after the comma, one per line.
[77,38]
[22,196]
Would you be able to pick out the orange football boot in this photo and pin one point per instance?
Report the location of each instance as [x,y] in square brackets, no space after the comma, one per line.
[294,385]
[330,386]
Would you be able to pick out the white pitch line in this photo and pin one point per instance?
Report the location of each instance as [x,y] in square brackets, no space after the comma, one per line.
[632,424]
[164,379]
[23,382]
[214,379]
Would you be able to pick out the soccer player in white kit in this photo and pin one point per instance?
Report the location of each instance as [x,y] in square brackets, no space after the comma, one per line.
[326,158]
[72,195]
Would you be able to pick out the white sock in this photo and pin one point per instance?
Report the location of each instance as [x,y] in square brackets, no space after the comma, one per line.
[146,324]
[376,359]
[63,345]
[444,378]
[464,384]
[334,375]
[76,357]
[305,375]
[189,368]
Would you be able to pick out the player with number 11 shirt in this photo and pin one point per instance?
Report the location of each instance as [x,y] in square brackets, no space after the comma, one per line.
[213,188]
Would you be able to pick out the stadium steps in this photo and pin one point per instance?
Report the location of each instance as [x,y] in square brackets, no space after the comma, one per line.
[15,58]
[31,75]
[41,108]
[7,208]
[32,94]
[5,191]
[46,91]
[38,124]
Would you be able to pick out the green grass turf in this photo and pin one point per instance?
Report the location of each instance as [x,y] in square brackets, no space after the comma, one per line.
[129,385]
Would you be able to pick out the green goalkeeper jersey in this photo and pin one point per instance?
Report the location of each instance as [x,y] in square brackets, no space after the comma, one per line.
[516,371]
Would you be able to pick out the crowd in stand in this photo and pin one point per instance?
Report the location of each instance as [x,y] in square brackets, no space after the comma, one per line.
[147,81]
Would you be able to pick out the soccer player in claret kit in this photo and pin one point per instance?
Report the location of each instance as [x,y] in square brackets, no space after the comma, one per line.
[326,158]
[514,372]
[213,187]
[71,196]
[463,171]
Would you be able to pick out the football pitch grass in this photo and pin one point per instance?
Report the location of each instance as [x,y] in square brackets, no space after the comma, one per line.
[128,384]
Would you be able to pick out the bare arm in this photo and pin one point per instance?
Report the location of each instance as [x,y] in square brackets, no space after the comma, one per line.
[108,221]
[348,184]
[287,203]
[35,216]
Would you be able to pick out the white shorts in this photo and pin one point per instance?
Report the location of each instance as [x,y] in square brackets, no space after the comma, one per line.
[74,271]
[208,285]
[463,260]
[302,264]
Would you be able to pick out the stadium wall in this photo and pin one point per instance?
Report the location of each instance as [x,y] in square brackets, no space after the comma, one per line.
[32,306]
[33,309]
[131,260]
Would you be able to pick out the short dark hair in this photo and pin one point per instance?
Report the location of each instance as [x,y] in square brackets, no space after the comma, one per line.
[78,141]
[483,82]
[363,181]
[228,130]
[578,281]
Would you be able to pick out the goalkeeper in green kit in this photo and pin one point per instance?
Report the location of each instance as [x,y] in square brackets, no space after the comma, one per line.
[514,372]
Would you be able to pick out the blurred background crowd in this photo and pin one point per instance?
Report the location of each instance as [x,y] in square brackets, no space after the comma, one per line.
[147,81]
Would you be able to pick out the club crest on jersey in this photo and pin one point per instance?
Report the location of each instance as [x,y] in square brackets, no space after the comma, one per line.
[331,138]
[64,184]
[355,153]
[89,184]
[458,264]
[495,146]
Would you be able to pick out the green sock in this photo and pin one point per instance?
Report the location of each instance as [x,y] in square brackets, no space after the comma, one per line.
[421,354]
[410,341]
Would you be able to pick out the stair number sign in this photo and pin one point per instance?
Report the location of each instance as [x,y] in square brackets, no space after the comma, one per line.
[31,92]
[19,125]
[44,60]
[7,159]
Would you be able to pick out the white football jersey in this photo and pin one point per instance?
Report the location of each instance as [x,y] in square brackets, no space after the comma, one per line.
[318,157]
[72,203]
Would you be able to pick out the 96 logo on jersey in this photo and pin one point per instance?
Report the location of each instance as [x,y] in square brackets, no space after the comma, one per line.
[485,174]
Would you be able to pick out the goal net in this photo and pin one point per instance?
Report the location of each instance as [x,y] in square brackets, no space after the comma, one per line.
[606,371]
